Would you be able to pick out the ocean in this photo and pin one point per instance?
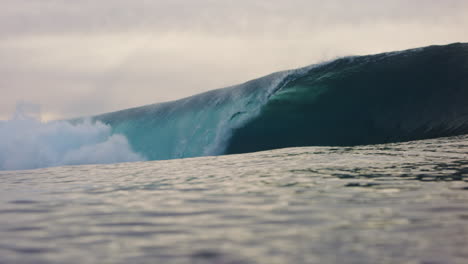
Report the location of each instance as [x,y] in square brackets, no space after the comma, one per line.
[389,203]
[360,160]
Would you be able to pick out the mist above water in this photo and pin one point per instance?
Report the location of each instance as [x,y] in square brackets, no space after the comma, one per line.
[28,143]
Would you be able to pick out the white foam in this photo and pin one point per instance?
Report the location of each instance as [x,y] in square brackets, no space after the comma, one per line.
[28,143]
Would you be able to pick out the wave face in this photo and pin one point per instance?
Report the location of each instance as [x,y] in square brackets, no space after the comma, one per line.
[390,97]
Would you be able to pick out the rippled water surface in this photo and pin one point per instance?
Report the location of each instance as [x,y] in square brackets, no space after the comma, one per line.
[393,203]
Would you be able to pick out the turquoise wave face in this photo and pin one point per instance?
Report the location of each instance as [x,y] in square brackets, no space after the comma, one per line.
[196,126]
[389,97]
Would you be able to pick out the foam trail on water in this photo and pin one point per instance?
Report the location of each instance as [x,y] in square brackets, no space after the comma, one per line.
[28,143]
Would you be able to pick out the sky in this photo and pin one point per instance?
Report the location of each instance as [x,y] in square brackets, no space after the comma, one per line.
[79,58]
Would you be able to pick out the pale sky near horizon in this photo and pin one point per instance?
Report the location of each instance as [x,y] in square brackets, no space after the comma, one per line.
[78,58]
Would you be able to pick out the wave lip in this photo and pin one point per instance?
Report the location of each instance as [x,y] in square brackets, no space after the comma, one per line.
[390,97]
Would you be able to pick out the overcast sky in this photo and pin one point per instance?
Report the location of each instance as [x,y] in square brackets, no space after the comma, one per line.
[78,58]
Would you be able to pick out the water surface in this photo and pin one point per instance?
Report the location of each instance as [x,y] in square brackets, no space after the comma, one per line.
[392,203]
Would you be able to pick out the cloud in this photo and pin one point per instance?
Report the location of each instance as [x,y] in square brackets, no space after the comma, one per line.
[228,16]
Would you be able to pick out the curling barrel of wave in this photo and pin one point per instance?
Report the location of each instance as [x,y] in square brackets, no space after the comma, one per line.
[390,97]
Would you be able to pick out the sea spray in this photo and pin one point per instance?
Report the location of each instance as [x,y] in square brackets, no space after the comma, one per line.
[28,143]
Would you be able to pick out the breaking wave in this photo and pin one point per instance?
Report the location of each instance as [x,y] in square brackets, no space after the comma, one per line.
[390,97]
[28,143]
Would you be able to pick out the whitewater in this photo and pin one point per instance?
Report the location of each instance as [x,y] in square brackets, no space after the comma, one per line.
[362,159]
[28,143]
